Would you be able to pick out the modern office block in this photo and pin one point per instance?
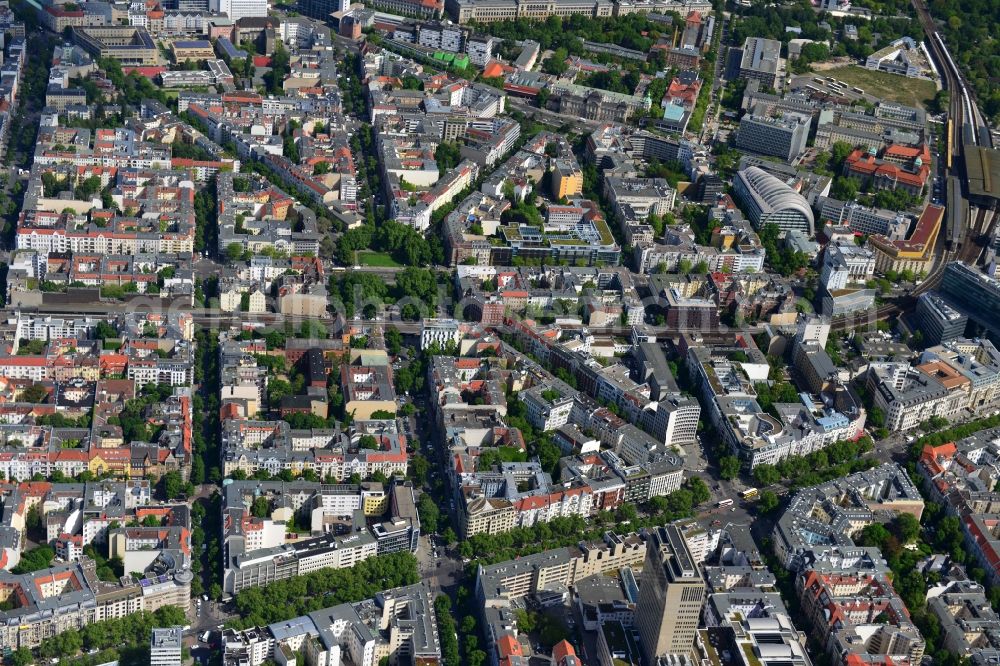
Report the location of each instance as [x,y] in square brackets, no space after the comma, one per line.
[322,9]
[975,292]
[783,137]
[237,9]
[759,60]
[670,596]
[165,647]
[938,320]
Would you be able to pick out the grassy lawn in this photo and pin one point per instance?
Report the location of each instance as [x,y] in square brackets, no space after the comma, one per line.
[377,259]
[912,92]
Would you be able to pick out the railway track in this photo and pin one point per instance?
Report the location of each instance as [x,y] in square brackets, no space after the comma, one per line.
[903,303]
[970,250]
[965,125]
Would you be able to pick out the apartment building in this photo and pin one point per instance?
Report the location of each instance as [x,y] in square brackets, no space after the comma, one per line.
[268,565]
[337,518]
[844,263]
[969,624]
[909,395]
[398,625]
[258,219]
[442,332]
[567,177]
[40,450]
[440,36]
[480,49]
[584,236]
[859,614]
[727,385]
[250,446]
[73,229]
[548,405]
[735,249]
[69,595]
[517,495]
[613,481]
[505,582]
[819,522]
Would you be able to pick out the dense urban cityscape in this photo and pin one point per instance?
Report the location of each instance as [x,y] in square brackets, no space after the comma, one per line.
[499,333]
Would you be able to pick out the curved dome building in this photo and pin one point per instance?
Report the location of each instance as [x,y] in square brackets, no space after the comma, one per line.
[767,200]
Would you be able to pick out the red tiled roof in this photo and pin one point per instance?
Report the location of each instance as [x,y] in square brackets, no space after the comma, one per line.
[494,69]
[562,650]
[508,647]
[930,454]
[863,163]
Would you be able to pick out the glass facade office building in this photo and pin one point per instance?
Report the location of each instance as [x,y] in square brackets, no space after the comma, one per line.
[976,293]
